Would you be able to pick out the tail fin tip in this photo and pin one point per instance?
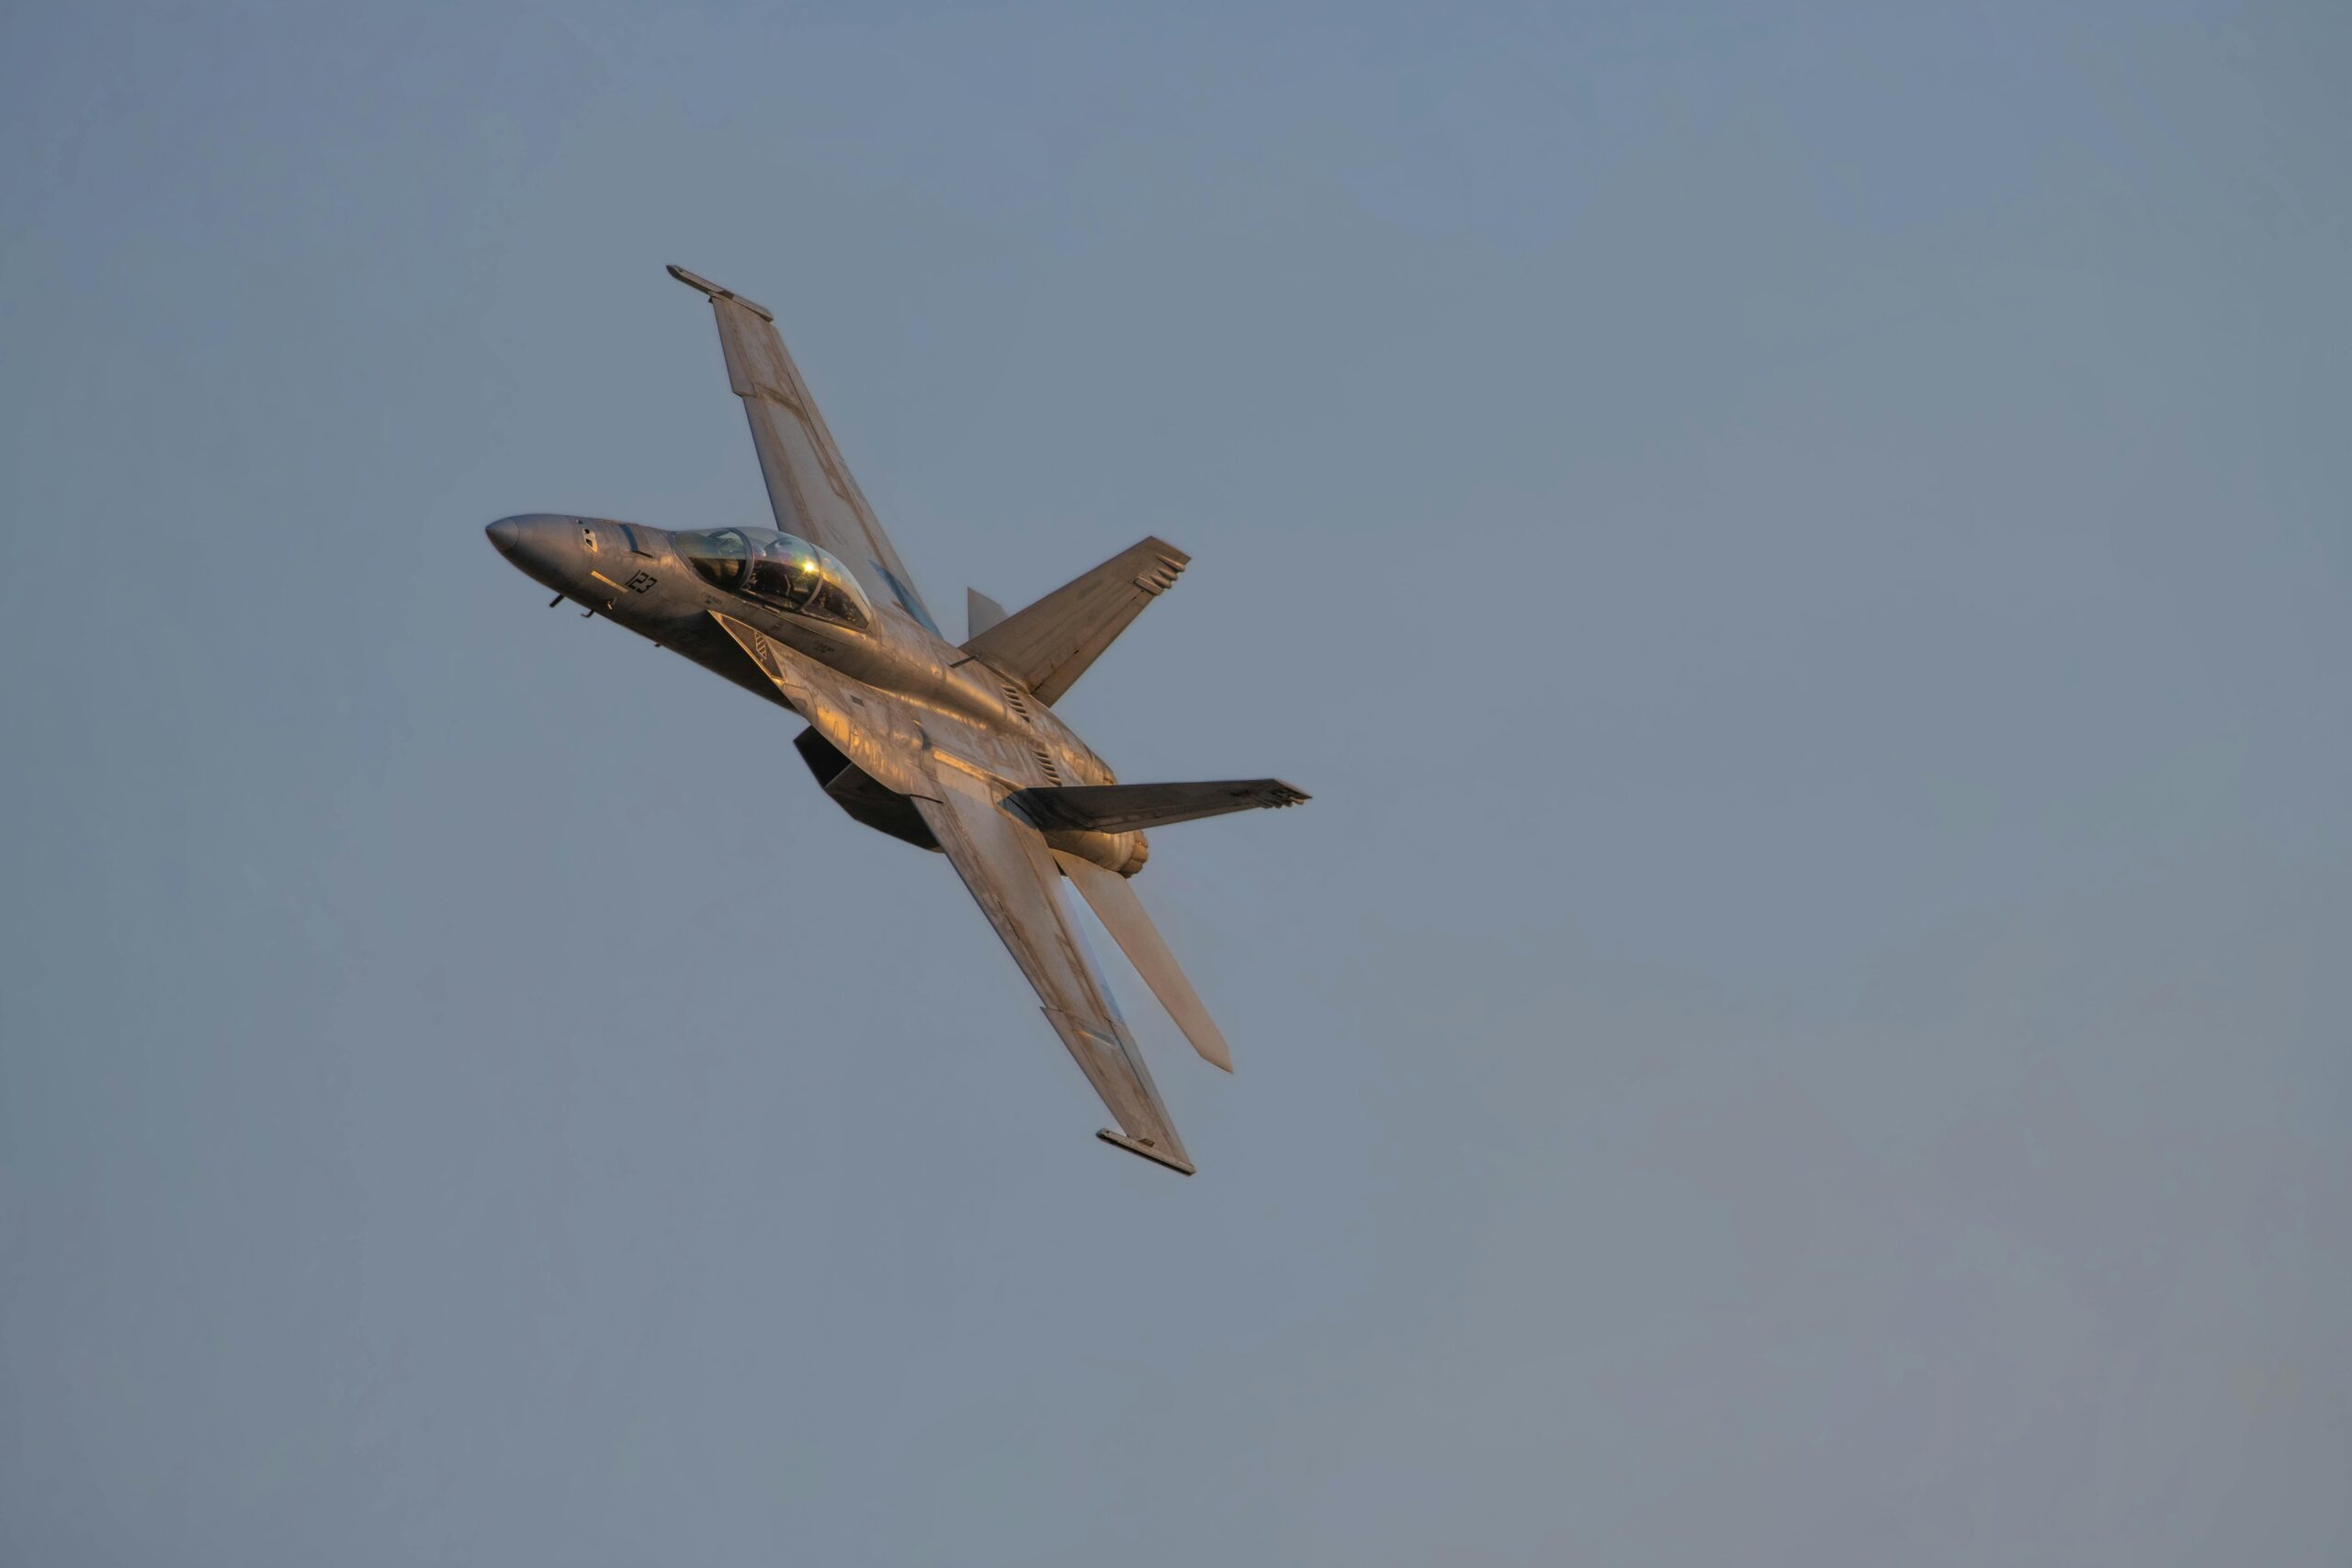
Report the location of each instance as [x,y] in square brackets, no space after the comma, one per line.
[981,613]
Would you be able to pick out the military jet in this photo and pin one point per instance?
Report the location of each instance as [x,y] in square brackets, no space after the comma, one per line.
[954,747]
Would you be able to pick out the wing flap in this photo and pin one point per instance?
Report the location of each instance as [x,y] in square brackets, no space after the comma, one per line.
[1012,877]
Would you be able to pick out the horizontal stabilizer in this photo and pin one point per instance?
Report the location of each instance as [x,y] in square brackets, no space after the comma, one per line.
[1049,645]
[1119,808]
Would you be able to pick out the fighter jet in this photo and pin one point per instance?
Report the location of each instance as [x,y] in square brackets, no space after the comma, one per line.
[950,747]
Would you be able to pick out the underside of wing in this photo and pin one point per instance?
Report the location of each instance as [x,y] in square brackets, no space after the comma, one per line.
[810,488]
[1013,876]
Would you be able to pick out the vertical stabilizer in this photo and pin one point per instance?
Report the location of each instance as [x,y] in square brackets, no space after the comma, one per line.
[1112,899]
[1049,645]
[981,613]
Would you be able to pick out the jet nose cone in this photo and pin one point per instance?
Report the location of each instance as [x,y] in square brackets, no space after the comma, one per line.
[506,534]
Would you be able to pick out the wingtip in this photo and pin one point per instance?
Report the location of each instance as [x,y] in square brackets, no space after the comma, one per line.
[695,280]
[1136,1146]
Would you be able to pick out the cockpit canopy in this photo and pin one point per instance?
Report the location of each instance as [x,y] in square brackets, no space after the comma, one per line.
[776,568]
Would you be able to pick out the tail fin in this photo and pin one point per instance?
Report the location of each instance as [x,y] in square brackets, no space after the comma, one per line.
[980,611]
[1049,645]
[1112,899]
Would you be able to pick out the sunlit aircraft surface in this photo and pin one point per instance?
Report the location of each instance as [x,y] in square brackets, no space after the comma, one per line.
[953,748]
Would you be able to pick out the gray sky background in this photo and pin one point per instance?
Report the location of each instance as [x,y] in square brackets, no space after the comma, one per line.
[1802,552]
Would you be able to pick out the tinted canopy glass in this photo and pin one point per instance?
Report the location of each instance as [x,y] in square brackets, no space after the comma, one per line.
[718,554]
[778,569]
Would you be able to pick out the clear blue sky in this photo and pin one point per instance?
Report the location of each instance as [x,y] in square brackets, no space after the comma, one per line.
[1802,553]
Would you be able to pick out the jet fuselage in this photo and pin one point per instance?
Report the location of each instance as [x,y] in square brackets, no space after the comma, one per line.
[912,692]
[952,748]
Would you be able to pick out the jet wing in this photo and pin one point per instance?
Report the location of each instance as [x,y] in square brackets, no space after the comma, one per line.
[810,488]
[1013,876]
